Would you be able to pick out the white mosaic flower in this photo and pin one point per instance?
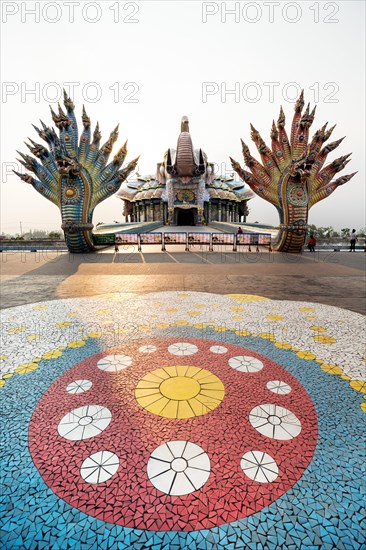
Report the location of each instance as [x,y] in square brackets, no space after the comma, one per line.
[79,386]
[84,422]
[259,466]
[99,467]
[149,348]
[277,386]
[246,363]
[275,422]
[218,349]
[182,348]
[178,468]
[114,363]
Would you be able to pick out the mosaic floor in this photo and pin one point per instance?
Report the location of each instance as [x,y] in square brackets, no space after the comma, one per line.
[182,420]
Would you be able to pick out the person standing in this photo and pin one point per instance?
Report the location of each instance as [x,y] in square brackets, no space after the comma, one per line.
[353,239]
[311,243]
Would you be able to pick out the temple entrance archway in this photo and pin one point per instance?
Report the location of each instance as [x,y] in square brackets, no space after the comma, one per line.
[186,216]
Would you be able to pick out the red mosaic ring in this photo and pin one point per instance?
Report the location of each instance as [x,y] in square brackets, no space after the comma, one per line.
[98,448]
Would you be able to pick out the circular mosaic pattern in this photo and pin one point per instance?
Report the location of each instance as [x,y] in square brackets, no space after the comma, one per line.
[178,468]
[99,467]
[79,386]
[333,377]
[218,349]
[275,422]
[183,348]
[114,363]
[84,422]
[148,441]
[277,386]
[147,348]
[246,363]
[179,392]
[259,466]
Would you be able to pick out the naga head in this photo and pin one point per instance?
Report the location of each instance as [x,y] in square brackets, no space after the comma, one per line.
[73,173]
[291,174]
[68,166]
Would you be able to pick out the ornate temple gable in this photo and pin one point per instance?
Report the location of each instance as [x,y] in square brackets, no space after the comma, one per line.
[185,182]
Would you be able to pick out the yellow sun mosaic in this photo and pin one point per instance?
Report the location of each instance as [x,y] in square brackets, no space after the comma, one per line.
[179,391]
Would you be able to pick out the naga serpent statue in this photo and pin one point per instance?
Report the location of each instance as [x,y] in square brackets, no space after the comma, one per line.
[75,176]
[291,175]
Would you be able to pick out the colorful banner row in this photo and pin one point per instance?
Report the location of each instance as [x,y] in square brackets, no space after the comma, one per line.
[187,239]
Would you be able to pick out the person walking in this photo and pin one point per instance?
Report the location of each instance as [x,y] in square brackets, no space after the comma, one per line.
[353,239]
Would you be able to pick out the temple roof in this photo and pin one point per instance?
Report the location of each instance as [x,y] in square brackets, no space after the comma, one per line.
[142,188]
[181,166]
[148,187]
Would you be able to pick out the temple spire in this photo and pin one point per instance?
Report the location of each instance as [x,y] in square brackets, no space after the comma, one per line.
[184,125]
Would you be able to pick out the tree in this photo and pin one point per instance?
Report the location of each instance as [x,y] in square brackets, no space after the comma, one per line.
[328,232]
[345,232]
[313,229]
[54,235]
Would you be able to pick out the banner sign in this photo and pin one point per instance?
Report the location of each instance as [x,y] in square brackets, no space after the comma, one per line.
[199,238]
[223,238]
[151,238]
[104,239]
[247,238]
[126,238]
[175,238]
[264,239]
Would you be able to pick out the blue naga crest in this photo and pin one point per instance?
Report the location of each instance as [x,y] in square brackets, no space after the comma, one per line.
[73,173]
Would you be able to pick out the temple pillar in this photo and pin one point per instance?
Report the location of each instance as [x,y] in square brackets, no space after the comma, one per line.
[209,215]
[220,212]
[227,212]
[246,212]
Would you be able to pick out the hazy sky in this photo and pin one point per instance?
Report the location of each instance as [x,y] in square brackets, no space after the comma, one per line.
[145,64]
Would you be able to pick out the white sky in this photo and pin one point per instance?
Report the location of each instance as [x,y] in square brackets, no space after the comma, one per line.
[169,52]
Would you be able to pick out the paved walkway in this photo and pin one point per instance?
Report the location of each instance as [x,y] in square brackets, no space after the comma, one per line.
[183,401]
[334,278]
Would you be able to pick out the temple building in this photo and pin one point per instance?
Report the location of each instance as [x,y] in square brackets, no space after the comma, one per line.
[185,190]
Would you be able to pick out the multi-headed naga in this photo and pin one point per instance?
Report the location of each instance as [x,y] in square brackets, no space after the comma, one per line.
[74,174]
[291,175]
